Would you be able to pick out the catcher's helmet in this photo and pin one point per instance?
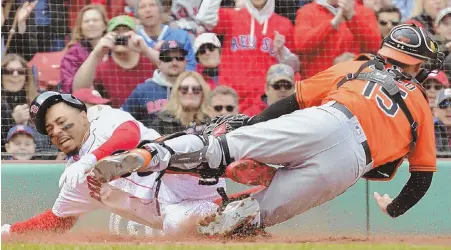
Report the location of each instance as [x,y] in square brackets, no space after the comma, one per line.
[409,44]
[44,101]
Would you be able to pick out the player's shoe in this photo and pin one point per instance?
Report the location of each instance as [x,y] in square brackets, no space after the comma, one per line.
[250,172]
[236,216]
[114,166]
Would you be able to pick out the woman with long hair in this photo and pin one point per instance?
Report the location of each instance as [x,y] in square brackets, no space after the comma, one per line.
[187,107]
[90,26]
[18,90]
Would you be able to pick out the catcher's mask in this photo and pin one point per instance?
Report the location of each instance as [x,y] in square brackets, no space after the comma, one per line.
[44,101]
[411,45]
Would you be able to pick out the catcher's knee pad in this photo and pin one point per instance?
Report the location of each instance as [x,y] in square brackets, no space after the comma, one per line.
[210,176]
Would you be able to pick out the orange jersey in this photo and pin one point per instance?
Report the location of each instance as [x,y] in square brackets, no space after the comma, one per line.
[385,124]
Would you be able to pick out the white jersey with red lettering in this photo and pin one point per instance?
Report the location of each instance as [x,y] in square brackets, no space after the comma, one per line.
[133,197]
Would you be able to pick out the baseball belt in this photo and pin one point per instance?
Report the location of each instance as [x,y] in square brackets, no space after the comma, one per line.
[349,115]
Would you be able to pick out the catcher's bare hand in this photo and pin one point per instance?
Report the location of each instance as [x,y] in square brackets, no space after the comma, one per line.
[383,201]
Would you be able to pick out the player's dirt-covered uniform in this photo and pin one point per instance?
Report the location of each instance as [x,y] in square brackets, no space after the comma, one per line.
[133,197]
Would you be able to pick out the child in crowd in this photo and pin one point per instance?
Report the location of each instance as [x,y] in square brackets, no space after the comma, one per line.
[20,143]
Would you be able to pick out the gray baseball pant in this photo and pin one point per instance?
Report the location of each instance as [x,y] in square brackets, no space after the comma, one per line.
[321,149]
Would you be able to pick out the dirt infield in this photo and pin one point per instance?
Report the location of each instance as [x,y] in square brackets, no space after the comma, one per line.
[101,238]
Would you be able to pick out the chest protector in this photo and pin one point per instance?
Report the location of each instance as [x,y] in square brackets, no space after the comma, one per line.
[388,81]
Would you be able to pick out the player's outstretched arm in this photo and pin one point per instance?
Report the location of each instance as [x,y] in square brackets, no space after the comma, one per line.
[415,188]
[46,222]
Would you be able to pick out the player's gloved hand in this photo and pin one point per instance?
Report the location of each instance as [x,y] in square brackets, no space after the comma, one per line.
[223,124]
[76,172]
[6,229]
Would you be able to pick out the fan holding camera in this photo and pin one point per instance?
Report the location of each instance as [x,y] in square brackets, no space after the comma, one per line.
[119,61]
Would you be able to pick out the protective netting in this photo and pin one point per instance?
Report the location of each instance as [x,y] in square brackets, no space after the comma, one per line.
[247,55]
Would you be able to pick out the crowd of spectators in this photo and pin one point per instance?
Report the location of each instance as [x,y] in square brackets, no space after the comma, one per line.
[173,64]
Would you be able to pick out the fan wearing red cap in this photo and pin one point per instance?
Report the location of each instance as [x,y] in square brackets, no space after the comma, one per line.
[435,81]
[93,100]
[90,97]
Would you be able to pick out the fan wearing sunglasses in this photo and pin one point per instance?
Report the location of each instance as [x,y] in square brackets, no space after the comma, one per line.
[187,107]
[433,84]
[18,90]
[425,12]
[279,84]
[152,95]
[207,48]
[442,122]
[388,18]
[223,100]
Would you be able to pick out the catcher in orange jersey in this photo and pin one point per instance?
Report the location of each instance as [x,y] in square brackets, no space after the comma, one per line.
[355,119]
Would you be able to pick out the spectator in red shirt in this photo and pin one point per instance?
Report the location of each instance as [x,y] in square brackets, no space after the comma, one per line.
[207,49]
[90,26]
[130,63]
[279,84]
[322,33]
[254,39]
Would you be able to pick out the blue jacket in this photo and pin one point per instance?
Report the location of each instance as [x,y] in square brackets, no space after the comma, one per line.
[179,35]
[442,142]
[148,97]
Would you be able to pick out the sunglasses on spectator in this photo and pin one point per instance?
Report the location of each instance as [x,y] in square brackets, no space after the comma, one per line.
[228,108]
[384,23]
[428,85]
[285,85]
[203,49]
[6,71]
[196,90]
[445,104]
[171,58]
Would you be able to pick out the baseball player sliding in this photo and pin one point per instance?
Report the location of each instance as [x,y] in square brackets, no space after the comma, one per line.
[161,202]
[355,119]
